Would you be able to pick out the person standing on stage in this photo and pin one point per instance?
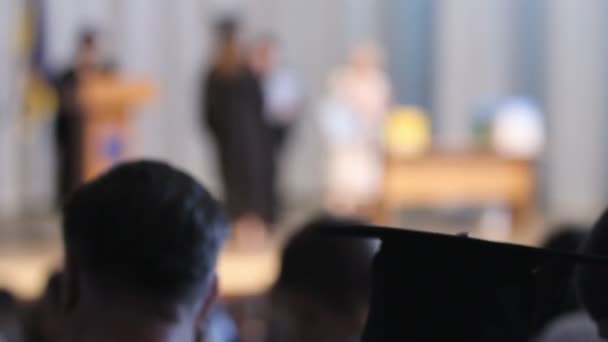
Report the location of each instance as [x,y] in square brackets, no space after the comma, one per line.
[233,110]
[352,121]
[281,87]
[70,117]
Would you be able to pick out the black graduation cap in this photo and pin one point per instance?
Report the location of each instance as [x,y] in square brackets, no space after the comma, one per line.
[437,287]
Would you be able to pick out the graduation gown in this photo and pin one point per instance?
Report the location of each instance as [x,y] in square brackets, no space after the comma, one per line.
[68,135]
[233,112]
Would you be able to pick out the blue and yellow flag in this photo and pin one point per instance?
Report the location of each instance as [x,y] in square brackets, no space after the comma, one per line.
[40,100]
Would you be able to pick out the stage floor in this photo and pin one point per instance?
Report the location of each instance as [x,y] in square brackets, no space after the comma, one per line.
[30,249]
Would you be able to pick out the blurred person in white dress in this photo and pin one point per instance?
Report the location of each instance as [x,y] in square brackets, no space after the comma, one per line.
[352,121]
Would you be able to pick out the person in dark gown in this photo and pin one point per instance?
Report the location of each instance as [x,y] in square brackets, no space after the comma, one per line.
[69,122]
[233,108]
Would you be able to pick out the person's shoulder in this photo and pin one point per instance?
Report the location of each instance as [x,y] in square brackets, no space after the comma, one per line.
[577,326]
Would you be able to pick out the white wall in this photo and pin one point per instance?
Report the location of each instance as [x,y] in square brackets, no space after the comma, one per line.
[10,82]
[169,41]
[473,43]
[577,104]
[474,40]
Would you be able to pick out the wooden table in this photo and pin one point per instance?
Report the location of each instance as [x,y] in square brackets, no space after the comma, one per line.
[463,179]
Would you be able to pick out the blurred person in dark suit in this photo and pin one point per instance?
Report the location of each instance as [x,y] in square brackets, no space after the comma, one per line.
[10,326]
[141,245]
[233,111]
[70,117]
[281,88]
[323,287]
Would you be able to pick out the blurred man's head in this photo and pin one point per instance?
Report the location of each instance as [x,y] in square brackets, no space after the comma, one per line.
[566,238]
[324,284]
[593,281]
[141,245]
[229,57]
[88,56]
[264,54]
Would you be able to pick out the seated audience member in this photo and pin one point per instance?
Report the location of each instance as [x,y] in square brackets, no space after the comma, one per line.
[592,281]
[566,238]
[436,287]
[323,287]
[10,328]
[141,244]
[43,319]
[564,320]
[220,326]
[571,327]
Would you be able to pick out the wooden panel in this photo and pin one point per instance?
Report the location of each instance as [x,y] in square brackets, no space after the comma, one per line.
[108,133]
[441,179]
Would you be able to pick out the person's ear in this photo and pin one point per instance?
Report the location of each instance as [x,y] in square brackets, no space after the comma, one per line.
[207,305]
[70,286]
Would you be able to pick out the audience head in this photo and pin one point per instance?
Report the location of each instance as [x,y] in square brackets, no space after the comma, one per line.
[592,281]
[43,318]
[565,238]
[436,287]
[50,306]
[10,328]
[141,243]
[323,284]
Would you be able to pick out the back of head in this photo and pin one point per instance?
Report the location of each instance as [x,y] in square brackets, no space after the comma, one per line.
[592,281]
[43,318]
[10,327]
[565,238]
[333,272]
[146,233]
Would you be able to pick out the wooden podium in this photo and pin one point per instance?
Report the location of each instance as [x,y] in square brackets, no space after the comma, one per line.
[108,134]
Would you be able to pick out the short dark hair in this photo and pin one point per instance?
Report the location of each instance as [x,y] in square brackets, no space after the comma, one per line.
[87,38]
[8,302]
[333,269]
[147,229]
[592,281]
[227,28]
[557,278]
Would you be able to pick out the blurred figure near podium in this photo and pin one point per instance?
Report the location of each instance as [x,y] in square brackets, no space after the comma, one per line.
[70,117]
[93,130]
